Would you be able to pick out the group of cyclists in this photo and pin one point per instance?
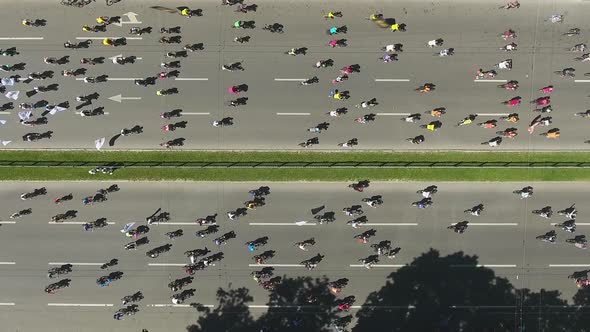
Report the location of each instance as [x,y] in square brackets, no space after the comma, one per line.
[201,259]
[392,52]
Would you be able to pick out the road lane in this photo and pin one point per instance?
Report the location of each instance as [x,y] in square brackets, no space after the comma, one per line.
[34,246]
[541,50]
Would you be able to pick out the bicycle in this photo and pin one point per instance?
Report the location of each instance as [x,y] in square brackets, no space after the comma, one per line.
[76,3]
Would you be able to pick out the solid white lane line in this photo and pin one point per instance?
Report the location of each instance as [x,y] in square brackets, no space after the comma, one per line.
[7,263]
[7,222]
[80,304]
[490,81]
[392,80]
[115,78]
[166,305]
[75,223]
[569,265]
[21,38]
[293,113]
[80,264]
[486,265]
[7,303]
[496,265]
[167,264]
[4,113]
[282,224]
[251,306]
[492,114]
[276,265]
[582,81]
[191,79]
[105,113]
[577,224]
[172,264]
[290,79]
[490,224]
[378,265]
[392,224]
[195,113]
[101,38]
[399,114]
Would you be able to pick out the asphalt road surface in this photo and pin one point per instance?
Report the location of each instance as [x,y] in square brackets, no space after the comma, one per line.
[279,110]
[503,237]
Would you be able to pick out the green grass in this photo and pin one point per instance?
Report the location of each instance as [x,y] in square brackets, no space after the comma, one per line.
[294,174]
[186,156]
[185,174]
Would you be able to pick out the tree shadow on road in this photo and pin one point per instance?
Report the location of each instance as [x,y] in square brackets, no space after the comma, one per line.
[452,293]
[433,293]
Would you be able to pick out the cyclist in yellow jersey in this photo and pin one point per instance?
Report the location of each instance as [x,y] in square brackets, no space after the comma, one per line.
[430,127]
[185,12]
[100,20]
[553,134]
[395,27]
[337,96]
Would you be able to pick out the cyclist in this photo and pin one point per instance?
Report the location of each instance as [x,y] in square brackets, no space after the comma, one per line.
[513,117]
[552,134]
[467,120]
[332,15]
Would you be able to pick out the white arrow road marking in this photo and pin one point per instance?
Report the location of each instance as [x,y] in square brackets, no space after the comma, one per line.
[132,19]
[79,264]
[191,79]
[392,80]
[290,79]
[293,113]
[282,224]
[101,38]
[119,98]
[276,265]
[21,38]
[490,81]
[79,304]
[121,55]
[398,114]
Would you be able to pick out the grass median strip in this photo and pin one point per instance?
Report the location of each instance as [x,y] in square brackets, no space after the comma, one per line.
[313,174]
[350,156]
[293,174]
